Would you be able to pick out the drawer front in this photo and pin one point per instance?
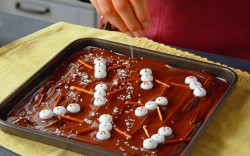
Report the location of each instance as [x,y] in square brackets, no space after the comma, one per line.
[50,11]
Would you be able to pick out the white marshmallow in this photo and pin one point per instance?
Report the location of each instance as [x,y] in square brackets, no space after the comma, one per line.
[165,131]
[100,73]
[162,101]
[99,93]
[103,135]
[100,59]
[46,114]
[190,79]
[147,77]
[149,144]
[151,105]
[146,85]
[59,110]
[146,71]
[141,111]
[199,92]
[105,118]
[73,108]
[100,65]
[195,84]
[158,138]
[99,101]
[101,86]
[106,126]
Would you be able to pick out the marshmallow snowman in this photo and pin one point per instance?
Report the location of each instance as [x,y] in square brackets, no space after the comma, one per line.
[73,108]
[165,131]
[199,92]
[103,135]
[59,110]
[146,71]
[107,126]
[190,79]
[146,85]
[105,118]
[149,144]
[101,86]
[46,114]
[141,111]
[146,78]
[99,101]
[100,68]
[162,101]
[158,138]
[151,105]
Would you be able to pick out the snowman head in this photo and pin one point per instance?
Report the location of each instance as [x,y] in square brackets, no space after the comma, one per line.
[101,86]
[73,108]
[146,71]
[162,101]
[165,131]
[190,79]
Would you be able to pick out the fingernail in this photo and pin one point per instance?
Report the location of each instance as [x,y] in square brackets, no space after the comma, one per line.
[139,33]
[129,34]
[146,25]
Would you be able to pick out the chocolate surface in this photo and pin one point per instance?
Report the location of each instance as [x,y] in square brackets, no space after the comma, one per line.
[74,82]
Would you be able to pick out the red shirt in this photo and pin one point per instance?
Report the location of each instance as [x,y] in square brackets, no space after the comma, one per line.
[221,27]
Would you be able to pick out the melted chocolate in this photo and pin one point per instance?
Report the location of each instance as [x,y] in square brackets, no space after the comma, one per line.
[184,112]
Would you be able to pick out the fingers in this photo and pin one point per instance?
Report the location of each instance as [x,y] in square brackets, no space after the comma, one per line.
[140,8]
[125,11]
[129,16]
[107,10]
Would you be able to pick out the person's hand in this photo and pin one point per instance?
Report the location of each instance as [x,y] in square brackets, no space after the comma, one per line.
[129,16]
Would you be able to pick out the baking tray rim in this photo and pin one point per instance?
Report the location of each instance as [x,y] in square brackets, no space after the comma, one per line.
[7,126]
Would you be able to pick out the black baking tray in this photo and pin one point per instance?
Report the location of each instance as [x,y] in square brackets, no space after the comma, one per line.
[41,76]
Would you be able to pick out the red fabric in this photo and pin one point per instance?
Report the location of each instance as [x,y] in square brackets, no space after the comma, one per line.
[221,27]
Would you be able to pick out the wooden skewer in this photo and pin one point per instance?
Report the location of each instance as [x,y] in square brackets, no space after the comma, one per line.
[123,133]
[117,66]
[86,130]
[162,83]
[85,64]
[83,90]
[206,82]
[58,100]
[146,130]
[159,113]
[176,141]
[179,85]
[71,118]
[133,103]
[117,90]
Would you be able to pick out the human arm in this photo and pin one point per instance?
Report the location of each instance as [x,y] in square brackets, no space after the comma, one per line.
[129,16]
